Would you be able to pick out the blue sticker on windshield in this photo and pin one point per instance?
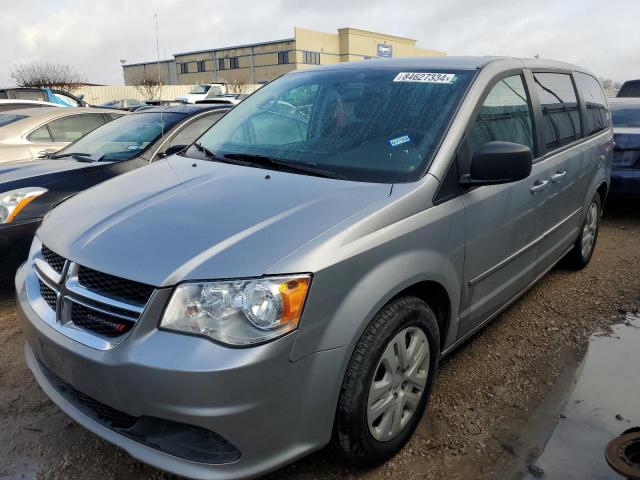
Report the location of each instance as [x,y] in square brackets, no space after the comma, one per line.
[133,147]
[396,142]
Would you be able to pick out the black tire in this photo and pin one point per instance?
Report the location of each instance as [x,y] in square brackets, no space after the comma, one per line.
[353,437]
[577,258]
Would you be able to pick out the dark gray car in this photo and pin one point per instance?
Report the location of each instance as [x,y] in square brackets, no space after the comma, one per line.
[297,274]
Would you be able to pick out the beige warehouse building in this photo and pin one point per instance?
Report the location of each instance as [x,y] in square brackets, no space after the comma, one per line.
[262,62]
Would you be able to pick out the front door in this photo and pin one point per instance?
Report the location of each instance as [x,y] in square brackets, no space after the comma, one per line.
[501,252]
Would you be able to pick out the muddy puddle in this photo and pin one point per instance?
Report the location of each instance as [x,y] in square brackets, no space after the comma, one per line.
[567,436]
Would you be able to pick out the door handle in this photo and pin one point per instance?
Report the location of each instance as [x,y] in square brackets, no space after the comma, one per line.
[539,185]
[556,177]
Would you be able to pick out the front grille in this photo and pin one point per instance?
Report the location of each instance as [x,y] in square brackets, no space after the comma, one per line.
[99,323]
[128,291]
[48,294]
[53,259]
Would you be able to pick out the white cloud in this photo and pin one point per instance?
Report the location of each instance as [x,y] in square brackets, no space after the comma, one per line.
[93,36]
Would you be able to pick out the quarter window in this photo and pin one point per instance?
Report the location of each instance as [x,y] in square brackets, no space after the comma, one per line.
[560,116]
[68,129]
[505,116]
[40,135]
[597,118]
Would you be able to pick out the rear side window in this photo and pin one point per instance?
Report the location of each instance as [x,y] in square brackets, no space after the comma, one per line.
[560,115]
[595,101]
[505,116]
[68,129]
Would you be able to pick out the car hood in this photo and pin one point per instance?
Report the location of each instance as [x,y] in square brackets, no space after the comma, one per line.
[184,219]
[45,170]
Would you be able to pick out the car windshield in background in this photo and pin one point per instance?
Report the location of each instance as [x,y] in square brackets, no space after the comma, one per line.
[625,115]
[124,138]
[379,125]
[8,118]
[200,89]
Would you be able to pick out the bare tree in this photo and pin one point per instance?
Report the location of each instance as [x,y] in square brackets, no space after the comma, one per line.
[237,86]
[148,85]
[47,75]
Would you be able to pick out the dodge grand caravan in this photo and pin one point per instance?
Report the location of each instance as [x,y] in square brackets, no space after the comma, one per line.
[296,274]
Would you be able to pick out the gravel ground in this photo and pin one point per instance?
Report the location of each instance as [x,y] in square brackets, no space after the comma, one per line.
[481,408]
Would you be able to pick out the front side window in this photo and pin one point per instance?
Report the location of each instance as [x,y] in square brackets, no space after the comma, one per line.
[193,130]
[126,137]
[560,116]
[380,125]
[597,118]
[505,116]
[69,129]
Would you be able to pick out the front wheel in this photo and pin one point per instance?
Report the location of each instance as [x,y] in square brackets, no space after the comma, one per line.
[582,251]
[387,382]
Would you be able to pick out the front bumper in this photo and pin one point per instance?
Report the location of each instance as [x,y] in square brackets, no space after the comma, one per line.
[270,409]
[15,240]
[625,182]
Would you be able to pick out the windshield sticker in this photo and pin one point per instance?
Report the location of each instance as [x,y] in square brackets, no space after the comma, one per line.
[422,77]
[396,142]
[133,147]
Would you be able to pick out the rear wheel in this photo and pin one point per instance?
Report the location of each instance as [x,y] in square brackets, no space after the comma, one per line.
[387,383]
[582,251]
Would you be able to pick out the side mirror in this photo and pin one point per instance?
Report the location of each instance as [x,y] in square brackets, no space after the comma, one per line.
[499,162]
[173,149]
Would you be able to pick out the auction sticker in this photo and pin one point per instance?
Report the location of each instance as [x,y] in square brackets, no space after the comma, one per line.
[425,77]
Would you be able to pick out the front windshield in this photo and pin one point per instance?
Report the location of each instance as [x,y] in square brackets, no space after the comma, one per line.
[374,124]
[125,137]
[8,118]
[625,115]
[198,89]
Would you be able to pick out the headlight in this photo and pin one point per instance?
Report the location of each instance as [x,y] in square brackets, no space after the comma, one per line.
[238,312]
[12,202]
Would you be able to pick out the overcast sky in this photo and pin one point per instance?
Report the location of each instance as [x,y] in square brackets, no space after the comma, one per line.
[92,36]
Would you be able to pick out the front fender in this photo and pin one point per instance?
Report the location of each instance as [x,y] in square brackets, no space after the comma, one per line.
[346,295]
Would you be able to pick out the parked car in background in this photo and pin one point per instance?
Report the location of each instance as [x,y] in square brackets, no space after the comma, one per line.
[30,133]
[128,104]
[58,97]
[229,99]
[625,174]
[28,190]
[630,88]
[295,276]
[200,92]
[21,104]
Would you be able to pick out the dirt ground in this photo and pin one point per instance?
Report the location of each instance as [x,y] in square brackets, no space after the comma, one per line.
[481,409]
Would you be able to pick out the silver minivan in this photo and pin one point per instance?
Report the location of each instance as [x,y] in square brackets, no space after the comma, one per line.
[296,274]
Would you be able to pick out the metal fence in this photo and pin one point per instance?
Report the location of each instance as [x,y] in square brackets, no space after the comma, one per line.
[106,93]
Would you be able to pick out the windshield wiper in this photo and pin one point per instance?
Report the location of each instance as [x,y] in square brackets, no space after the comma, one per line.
[264,160]
[70,154]
[208,153]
